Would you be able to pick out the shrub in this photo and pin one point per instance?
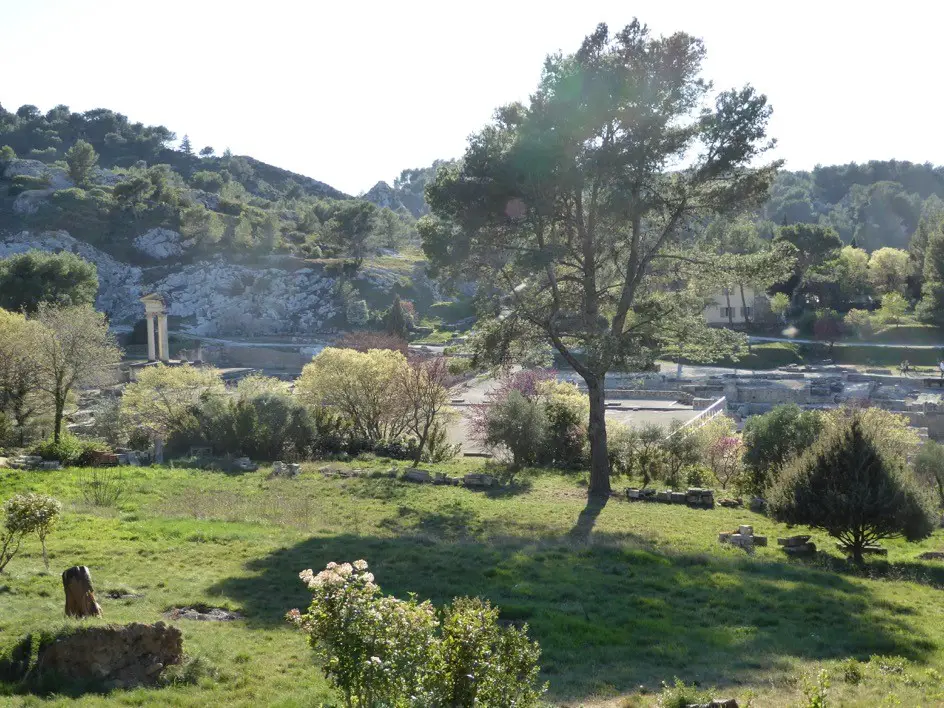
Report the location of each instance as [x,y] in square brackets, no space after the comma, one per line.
[929,467]
[357,314]
[102,486]
[26,514]
[266,426]
[518,425]
[379,650]
[207,181]
[622,444]
[773,439]
[680,450]
[858,322]
[848,486]
[23,183]
[725,459]
[363,386]
[650,456]
[70,450]
[567,411]
[480,664]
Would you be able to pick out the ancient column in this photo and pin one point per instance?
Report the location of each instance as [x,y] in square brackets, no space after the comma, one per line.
[152,348]
[162,333]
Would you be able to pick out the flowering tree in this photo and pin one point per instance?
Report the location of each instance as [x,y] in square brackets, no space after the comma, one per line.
[361,385]
[379,650]
[724,457]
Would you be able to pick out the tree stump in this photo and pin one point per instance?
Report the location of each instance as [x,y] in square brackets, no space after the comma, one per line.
[80,598]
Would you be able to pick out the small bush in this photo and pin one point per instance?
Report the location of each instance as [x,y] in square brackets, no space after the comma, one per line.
[379,650]
[26,514]
[517,425]
[102,486]
[681,695]
[23,183]
[852,486]
[70,450]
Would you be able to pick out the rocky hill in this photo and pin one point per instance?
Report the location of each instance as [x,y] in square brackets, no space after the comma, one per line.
[240,247]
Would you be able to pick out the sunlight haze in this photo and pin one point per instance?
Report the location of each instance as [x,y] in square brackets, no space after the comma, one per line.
[352,93]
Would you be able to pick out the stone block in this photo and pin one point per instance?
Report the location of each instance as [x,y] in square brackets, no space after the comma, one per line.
[932,555]
[633,494]
[665,496]
[731,503]
[791,541]
[746,530]
[678,497]
[802,549]
[872,550]
[758,504]
[418,476]
[479,480]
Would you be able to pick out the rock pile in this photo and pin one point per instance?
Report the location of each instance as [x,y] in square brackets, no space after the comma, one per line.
[797,545]
[742,538]
[116,656]
[202,613]
[283,469]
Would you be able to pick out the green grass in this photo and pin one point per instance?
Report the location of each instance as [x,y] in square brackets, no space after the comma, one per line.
[908,333]
[622,596]
[768,355]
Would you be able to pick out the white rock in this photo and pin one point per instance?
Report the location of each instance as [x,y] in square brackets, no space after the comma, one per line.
[28,202]
[119,283]
[159,243]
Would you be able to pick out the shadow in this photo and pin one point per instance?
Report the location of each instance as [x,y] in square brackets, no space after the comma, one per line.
[588,518]
[607,609]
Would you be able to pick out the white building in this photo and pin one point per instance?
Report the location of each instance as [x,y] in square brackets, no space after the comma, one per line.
[727,307]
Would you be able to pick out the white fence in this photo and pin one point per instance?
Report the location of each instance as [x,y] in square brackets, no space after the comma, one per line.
[700,420]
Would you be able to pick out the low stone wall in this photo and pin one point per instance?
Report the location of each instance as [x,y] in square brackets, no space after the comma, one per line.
[646,394]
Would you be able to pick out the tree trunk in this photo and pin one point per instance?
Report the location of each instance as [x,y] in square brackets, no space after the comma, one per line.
[418,457]
[80,599]
[599,461]
[57,421]
[747,321]
[727,297]
[857,556]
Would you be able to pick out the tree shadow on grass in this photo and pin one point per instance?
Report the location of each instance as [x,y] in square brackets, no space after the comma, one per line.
[609,611]
[588,518]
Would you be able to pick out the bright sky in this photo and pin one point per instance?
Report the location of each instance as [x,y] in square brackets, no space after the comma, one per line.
[352,92]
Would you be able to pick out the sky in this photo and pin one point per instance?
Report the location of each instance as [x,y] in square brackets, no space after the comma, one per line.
[350,93]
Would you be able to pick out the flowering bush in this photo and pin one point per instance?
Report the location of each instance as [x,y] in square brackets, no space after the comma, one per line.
[725,458]
[380,650]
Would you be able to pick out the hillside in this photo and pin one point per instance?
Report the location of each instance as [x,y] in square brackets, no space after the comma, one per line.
[241,247]
[246,248]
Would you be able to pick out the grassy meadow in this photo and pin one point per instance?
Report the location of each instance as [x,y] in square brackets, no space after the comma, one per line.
[621,597]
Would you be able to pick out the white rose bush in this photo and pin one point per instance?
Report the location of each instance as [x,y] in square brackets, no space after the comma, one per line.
[378,650]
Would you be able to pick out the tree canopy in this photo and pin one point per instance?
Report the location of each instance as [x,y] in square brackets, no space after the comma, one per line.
[851,487]
[577,209]
[28,280]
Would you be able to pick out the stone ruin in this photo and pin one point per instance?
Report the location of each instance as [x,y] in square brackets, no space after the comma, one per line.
[284,469]
[693,496]
[797,545]
[33,462]
[742,538]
